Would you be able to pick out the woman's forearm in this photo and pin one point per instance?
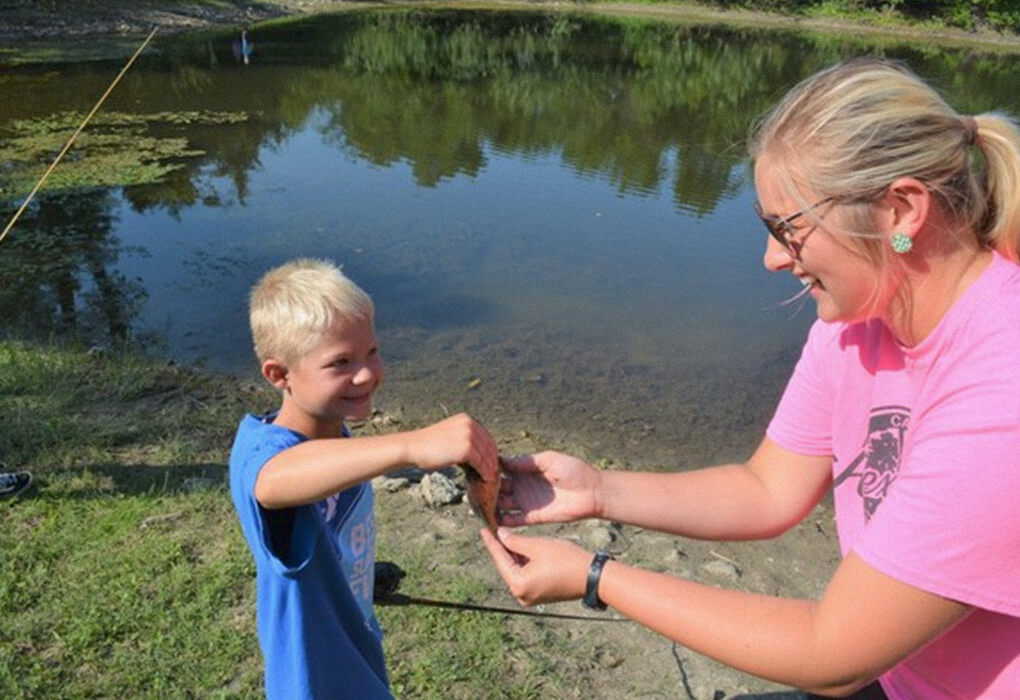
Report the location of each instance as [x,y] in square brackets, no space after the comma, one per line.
[865,623]
[763,498]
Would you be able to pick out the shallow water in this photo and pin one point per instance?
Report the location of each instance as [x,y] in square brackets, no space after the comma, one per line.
[558,206]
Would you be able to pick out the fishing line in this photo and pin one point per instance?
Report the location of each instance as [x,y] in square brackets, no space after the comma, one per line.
[70,141]
[405,600]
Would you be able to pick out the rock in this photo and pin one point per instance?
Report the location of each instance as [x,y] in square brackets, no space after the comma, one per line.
[599,537]
[722,569]
[607,658]
[391,485]
[438,490]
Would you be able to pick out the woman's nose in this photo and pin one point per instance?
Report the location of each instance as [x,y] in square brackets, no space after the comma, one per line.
[777,256]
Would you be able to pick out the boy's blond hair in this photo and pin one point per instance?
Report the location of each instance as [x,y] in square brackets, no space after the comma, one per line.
[294,304]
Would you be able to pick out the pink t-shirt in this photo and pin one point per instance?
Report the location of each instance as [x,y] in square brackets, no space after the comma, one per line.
[926,472]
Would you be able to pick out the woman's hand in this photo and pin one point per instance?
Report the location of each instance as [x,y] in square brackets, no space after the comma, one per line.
[548,487]
[538,569]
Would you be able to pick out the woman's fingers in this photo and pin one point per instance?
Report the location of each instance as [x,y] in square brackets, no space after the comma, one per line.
[520,463]
[508,563]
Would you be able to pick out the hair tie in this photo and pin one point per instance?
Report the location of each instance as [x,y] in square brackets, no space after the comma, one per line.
[970,129]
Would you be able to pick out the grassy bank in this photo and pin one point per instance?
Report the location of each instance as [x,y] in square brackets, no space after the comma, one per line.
[983,23]
[123,572]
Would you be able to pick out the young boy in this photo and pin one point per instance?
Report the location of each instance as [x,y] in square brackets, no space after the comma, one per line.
[299,482]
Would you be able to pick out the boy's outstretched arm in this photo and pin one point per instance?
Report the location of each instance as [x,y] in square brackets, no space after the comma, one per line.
[315,469]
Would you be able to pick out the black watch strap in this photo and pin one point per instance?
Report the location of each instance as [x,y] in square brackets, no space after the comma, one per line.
[591,590]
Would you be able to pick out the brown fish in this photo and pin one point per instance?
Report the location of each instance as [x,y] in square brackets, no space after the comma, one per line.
[482,495]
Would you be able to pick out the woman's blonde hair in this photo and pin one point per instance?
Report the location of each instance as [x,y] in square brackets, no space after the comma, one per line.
[294,304]
[852,129]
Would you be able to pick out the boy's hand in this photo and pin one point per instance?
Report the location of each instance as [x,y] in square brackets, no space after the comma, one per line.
[548,487]
[459,438]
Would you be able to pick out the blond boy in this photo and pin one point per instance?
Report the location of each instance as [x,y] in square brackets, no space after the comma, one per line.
[299,482]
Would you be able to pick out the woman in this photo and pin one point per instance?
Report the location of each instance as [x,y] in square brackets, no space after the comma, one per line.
[902,220]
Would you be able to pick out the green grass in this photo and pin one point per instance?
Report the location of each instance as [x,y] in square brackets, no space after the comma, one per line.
[123,572]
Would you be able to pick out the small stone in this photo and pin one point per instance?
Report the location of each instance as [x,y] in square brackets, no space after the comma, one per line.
[599,537]
[608,659]
[722,569]
[439,490]
[391,485]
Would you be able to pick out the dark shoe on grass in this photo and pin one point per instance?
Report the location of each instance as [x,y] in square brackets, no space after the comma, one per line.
[13,483]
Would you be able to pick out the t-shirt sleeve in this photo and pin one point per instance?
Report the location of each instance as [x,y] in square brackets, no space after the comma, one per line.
[802,422]
[949,524]
[284,537]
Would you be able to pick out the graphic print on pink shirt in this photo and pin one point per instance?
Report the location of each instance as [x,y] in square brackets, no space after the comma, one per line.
[878,463]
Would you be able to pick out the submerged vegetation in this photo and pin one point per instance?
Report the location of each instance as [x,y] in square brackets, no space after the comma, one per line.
[117,150]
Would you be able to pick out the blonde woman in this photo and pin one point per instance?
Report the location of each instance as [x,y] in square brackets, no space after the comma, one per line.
[901,218]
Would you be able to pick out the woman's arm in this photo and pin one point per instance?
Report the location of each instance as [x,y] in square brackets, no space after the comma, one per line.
[865,623]
[773,491]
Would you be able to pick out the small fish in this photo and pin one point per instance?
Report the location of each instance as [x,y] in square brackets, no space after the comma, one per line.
[482,495]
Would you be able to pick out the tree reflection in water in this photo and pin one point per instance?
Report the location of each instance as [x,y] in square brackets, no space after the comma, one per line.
[641,104]
[57,272]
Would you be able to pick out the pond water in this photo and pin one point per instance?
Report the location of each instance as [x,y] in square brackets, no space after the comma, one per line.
[556,205]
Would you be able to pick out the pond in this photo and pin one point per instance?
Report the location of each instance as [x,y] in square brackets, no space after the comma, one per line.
[551,210]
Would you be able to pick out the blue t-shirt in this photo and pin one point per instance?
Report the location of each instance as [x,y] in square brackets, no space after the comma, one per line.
[315,569]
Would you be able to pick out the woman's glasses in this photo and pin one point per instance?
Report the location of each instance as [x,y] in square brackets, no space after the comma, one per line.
[780,228]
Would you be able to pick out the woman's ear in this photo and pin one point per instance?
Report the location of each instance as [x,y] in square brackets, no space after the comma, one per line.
[275,373]
[908,203]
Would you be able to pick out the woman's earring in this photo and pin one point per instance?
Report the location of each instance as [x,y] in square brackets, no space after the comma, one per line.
[901,243]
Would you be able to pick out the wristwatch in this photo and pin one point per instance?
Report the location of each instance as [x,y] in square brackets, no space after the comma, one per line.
[591,598]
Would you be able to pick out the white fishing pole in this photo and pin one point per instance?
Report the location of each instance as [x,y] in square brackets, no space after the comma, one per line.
[70,141]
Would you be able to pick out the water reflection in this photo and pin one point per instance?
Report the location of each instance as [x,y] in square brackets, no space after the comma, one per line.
[556,203]
[59,275]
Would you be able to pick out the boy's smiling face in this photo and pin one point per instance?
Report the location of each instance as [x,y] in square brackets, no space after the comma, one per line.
[334,381]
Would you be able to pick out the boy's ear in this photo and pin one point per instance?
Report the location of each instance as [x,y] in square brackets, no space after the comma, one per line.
[275,373]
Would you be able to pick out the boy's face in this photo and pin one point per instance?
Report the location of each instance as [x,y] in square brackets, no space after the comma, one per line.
[336,379]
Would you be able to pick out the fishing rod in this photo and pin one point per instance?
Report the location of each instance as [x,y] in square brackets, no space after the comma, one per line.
[70,141]
[399,599]
[388,577]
